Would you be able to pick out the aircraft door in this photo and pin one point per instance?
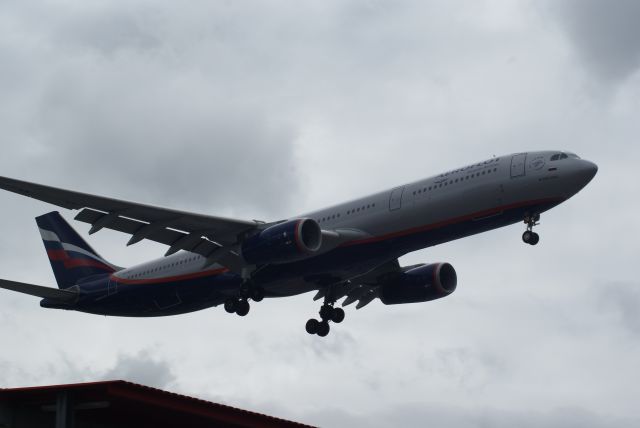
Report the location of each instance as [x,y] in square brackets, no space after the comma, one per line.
[395,200]
[112,287]
[517,165]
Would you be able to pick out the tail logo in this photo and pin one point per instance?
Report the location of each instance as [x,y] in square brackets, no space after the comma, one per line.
[71,255]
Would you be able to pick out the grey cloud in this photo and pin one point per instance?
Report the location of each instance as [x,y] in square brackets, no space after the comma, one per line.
[294,349]
[606,35]
[141,368]
[421,414]
[111,110]
[340,345]
[176,150]
[624,300]
[470,369]
[108,28]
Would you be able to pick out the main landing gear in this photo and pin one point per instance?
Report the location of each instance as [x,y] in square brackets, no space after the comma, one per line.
[327,313]
[529,236]
[240,305]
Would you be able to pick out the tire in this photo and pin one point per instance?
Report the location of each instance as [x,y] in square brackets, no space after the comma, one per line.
[230,305]
[527,236]
[242,308]
[535,238]
[338,315]
[257,294]
[323,329]
[326,312]
[312,326]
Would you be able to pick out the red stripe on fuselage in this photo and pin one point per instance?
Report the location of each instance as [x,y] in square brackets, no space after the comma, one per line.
[449,222]
[175,278]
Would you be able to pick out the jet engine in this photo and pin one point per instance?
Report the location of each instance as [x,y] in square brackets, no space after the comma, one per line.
[421,284]
[283,243]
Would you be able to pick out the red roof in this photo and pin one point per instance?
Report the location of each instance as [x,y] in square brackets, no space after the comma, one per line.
[126,404]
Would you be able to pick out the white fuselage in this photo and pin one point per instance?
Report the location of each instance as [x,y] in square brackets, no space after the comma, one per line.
[476,192]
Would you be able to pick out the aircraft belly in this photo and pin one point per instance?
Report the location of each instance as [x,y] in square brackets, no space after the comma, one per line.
[159,299]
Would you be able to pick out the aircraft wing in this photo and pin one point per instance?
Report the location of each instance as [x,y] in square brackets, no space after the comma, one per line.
[65,296]
[364,288]
[211,237]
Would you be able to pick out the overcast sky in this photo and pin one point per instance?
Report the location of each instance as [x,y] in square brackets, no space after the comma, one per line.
[261,110]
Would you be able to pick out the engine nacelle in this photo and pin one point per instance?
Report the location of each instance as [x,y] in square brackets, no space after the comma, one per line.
[283,243]
[420,284]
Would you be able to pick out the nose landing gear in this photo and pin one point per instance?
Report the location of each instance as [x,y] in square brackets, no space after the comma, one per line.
[529,236]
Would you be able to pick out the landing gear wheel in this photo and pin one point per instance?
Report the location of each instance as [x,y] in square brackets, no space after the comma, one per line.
[338,315]
[257,294]
[312,326]
[242,307]
[230,305]
[323,329]
[326,312]
[535,238]
[529,236]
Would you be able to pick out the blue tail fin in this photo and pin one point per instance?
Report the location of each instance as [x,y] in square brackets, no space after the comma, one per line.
[72,259]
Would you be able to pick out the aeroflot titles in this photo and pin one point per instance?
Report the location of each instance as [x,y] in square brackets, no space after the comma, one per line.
[466,168]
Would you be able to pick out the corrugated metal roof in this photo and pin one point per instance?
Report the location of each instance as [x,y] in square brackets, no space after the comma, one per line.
[146,398]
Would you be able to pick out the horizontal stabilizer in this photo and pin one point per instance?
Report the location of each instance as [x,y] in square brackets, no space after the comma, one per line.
[65,296]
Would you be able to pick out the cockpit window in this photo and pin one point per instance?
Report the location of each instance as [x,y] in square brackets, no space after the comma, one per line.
[558,156]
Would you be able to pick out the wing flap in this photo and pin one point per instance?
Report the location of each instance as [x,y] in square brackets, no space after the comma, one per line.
[177,240]
[130,226]
[65,296]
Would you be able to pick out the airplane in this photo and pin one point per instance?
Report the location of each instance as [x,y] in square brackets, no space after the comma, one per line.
[348,251]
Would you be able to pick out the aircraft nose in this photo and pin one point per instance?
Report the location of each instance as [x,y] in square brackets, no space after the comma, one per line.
[579,173]
[588,170]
